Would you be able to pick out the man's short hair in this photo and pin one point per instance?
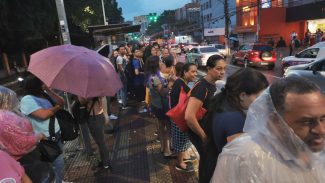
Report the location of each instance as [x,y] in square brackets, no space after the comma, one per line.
[292,84]
[169,61]
[121,46]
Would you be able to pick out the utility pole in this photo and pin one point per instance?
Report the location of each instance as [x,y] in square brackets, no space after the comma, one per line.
[258,26]
[227,24]
[202,22]
[104,15]
[63,22]
[64,35]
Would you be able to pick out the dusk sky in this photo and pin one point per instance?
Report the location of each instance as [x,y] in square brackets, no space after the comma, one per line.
[131,8]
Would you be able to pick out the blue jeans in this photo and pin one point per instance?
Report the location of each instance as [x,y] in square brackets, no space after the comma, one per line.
[123,92]
[58,164]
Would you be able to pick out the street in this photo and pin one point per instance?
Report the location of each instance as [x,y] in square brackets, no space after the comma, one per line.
[271,75]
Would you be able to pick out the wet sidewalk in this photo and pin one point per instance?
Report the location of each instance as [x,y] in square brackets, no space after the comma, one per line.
[134,153]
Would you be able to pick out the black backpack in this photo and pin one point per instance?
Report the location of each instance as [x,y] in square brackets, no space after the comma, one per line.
[129,71]
[68,125]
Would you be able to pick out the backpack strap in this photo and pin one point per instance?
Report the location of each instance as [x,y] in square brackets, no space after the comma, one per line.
[47,96]
[51,128]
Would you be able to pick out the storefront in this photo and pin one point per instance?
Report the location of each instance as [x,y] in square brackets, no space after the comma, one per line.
[314,25]
[214,35]
[313,15]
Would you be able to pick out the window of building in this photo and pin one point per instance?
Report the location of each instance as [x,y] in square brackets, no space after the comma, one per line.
[210,3]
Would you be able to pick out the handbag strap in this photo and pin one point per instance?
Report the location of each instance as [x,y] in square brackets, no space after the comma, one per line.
[91,108]
[47,96]
[206,90]
[51,128]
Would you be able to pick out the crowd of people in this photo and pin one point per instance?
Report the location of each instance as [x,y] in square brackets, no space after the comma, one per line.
[251,132]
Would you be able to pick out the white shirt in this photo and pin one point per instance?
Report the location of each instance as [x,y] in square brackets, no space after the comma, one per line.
[253,160]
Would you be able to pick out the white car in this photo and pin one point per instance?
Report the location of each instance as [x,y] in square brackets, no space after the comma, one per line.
[199,55]
[305,56]
[314,71]
[221,48]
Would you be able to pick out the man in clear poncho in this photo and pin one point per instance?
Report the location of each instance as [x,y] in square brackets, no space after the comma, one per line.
[283,140]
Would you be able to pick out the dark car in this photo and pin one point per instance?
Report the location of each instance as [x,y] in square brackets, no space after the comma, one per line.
[255,54]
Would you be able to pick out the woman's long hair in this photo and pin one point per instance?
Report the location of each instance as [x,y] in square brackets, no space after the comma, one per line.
[33,86]
[245,80]
[151,67]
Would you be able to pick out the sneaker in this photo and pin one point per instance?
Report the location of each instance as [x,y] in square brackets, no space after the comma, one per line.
[125,107]
[189,168]
[103,170]
[113,117]
[120,101]
[143,110]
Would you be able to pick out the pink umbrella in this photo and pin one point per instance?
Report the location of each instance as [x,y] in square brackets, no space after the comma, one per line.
[76,70]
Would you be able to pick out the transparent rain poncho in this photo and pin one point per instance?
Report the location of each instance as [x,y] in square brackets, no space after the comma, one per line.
[8,99]
[17,137]
[269,151]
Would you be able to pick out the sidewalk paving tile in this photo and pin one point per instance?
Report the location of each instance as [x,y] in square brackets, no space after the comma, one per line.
[134,153]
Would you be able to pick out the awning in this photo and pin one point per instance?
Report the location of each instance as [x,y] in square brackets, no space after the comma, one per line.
[310,11]
[113,29]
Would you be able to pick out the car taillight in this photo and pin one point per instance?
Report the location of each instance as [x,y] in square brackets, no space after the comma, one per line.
[256,53]
[274,54]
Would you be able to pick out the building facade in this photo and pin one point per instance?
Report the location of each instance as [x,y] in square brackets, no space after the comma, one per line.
[279,18]
[188,17]
[212,18]
[142,20]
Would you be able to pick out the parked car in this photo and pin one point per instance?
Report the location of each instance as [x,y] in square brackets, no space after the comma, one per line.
[255,54]
[221,48]
[314,71]
[304,57]
[199,55]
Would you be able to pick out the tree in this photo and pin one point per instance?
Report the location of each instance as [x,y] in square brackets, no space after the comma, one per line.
[167,17]
[113,12]
[25,25]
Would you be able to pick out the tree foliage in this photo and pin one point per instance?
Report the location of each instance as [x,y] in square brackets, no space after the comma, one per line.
[25,25]
[166,17]
[33,24]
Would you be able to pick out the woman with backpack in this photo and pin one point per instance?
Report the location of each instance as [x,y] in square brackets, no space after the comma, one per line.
[159,90]
[19,141]
[36,106]
[95,120]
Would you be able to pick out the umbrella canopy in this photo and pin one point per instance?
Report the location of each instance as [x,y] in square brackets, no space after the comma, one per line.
[76,70]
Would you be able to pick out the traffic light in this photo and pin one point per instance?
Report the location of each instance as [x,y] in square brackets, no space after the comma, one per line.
[153,17]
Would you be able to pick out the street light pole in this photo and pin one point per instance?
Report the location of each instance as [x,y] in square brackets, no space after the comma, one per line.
[63,22]
[258,26]
[64,34]
[104,15]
